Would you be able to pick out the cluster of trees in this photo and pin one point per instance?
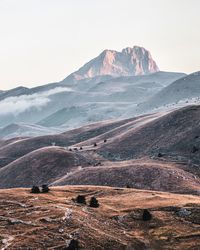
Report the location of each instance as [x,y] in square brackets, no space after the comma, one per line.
[37,190]
[81,148]
[82,200]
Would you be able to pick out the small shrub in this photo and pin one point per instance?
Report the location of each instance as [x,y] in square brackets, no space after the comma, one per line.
[105,141]
[95,144]
[81,199]
[146,215]
[70,149]
[194,149]
[160,155]
[45,188]
[94,202]
[35,190]
[128,186]
[81,148]
[73,245]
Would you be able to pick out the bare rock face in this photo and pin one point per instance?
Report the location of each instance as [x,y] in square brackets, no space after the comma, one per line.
[129,62]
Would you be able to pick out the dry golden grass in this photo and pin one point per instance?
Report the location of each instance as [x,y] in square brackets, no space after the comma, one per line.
[48,221]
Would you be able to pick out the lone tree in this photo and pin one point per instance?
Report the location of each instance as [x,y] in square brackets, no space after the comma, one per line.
[94,202]
[35,190]
[146,215]
[81,199]
[45,188]
[73,245]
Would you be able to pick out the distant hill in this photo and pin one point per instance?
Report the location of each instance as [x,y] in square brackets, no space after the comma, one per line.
[182,89]
[25,130]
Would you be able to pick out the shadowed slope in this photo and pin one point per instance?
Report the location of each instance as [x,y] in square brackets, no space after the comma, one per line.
[40,167]
[141,174]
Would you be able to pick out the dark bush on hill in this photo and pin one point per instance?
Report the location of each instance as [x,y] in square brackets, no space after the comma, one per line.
[194,149]
[160,155]
[45,188]
[35,190]
[94,202]
[80,199]
[73,245]
[146,215]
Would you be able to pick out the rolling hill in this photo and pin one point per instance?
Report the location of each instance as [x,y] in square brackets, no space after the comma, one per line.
[183,89]
[40,166]
[158,146]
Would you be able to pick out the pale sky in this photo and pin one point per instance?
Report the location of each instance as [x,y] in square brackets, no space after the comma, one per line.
[42,41]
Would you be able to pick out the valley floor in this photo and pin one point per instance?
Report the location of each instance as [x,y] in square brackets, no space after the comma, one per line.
[49,221]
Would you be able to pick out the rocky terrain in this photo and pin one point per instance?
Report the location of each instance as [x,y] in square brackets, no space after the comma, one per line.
[52,220]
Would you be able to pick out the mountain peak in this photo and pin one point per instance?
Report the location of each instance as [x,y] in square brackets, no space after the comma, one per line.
[129,62]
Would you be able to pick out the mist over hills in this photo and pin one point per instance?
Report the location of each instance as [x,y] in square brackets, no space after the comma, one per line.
[110,86]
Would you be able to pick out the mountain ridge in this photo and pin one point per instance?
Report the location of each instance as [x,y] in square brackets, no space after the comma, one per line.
[128,62]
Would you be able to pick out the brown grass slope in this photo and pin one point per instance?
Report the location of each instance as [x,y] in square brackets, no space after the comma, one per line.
[49,221]
[141,174]
[19,148]
[175,135]
[39,167]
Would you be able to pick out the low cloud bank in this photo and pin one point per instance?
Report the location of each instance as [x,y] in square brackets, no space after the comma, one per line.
[18,104]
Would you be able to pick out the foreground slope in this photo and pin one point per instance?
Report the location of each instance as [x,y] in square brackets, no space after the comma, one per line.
[49,221]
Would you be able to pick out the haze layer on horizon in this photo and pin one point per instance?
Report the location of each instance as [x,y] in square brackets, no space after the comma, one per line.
[44,41]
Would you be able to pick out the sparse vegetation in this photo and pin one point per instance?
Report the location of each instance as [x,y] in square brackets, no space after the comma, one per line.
[146,216]
[160,154]
[194,149]
[35,190]
[94,202]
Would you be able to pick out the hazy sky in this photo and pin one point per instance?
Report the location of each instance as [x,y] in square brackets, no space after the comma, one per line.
[43,41]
